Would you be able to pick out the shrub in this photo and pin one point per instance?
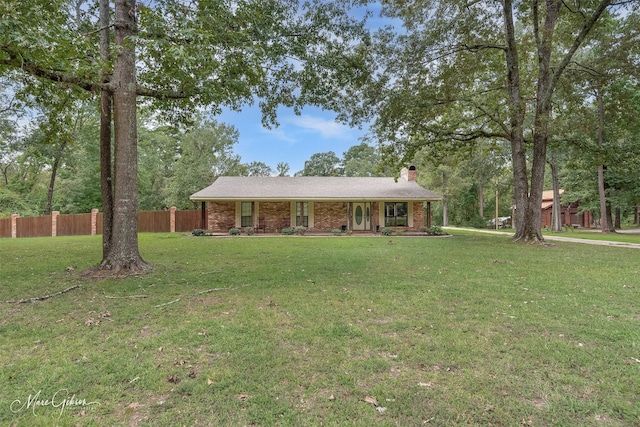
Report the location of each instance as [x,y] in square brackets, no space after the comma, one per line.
[249,230]
[288,231]
[386,231]
[436,231]
[234,231]
[336,232]
[300,230]
[198,232]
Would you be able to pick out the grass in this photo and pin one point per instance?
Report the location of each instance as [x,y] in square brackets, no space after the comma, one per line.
[293,331]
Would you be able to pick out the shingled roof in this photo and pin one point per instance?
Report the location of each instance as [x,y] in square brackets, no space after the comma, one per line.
[313,188]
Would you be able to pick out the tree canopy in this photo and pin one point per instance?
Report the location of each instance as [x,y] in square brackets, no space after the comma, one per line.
[462,72]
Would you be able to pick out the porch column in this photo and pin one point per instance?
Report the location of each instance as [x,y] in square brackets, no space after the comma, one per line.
[14,225]
[172,219]
[94,222]
[428,224]
[54,223]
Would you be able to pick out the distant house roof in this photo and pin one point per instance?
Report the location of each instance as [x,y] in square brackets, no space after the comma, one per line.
[547,198]
[313,188]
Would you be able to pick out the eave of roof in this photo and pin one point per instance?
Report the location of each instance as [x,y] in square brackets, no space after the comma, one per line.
[313,189]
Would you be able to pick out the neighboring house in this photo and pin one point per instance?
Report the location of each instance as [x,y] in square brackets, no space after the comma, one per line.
[571,215]
[322,204]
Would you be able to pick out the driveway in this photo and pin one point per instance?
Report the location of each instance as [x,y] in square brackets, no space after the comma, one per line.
[563,238]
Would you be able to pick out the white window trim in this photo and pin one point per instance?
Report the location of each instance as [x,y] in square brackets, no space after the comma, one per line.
[293,213]
[381,212]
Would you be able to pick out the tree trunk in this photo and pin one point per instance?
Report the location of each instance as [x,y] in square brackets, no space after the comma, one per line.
[480,199]
[445,210]
[52,180]
[123,255]
[556,214]
[516,121]
[106,184]
[604,221]
[528,201]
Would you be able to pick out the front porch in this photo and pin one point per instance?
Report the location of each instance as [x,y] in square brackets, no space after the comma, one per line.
[317,217]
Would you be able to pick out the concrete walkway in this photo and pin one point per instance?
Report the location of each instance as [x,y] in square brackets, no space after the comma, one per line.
[561,238]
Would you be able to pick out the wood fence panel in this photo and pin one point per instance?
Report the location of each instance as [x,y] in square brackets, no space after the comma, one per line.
[189,220]
[5,227]
[74,225]
[154,221]
[33,226]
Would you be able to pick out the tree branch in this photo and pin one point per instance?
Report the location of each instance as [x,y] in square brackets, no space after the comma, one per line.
[35,299]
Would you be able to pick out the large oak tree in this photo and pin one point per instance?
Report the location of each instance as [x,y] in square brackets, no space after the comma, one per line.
[467,70]
[176,57]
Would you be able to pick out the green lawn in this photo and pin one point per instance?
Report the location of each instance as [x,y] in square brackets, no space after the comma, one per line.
[304,331]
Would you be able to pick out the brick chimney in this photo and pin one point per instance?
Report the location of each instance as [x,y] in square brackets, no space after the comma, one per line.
[410,174]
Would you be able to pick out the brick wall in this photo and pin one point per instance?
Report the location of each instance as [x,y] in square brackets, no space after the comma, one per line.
[329,215]
[274,216]
[222,216]
[418,216]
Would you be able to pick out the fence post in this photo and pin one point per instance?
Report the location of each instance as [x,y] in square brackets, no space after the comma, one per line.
[14,225]
[172,219]
[54,223]
[94,222]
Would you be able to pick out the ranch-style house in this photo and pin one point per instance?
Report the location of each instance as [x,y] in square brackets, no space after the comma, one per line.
[322,204]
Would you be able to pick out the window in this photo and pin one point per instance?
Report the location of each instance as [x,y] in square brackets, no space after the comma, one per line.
[246,217]
[302,214]
[396,214]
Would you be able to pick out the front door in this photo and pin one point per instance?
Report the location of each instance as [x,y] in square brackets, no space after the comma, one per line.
[362,216]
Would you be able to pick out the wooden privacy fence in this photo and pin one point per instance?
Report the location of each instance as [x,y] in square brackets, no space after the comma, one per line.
[170,221]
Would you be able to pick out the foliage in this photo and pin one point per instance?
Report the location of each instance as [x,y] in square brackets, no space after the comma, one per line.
[363,160]
[386,231]
[204,154]
[494,315]
[288,231]
[322,164]
[249,230]
[181,59]
[487,70]
[336,232]
[300,230]
[235,231]
[199,232]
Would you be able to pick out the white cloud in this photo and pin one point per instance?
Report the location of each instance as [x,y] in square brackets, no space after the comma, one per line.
[279,134]
[326,127]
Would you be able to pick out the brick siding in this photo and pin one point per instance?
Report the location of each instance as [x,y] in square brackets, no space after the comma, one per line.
[328,216]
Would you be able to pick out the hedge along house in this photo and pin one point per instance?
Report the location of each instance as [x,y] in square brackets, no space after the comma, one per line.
[321,204]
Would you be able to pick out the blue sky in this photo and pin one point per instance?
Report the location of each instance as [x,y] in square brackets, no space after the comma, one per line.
[298,137]
[294,141]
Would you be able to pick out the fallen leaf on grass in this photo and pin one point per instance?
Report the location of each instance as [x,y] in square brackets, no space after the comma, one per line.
[429,384]
[372,400]
[174,379]
[192,374]
[381,409]
[209,381]
[243,396]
